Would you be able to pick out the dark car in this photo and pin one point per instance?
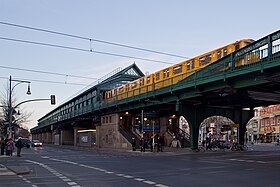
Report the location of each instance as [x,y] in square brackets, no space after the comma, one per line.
[25,142]
[36,143]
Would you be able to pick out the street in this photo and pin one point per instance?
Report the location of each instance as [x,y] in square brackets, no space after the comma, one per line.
[66,166]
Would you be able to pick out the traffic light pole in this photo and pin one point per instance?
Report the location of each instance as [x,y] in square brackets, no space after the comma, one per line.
[32,100]
[11,108]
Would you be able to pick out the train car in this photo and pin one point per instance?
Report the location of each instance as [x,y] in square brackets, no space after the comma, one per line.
[173,74]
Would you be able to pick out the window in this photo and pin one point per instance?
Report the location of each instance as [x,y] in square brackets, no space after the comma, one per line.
[127,86]
[190,65]
[177,69]
[148,80]
[205,60]
[94,93]
[141,82]
[120,89]
[114,92]
[166,73]
[219,54]
[157,76]
[237,47]
[225,52]
[134,85]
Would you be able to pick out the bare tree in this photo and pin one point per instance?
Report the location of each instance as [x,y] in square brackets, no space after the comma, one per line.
[19,116]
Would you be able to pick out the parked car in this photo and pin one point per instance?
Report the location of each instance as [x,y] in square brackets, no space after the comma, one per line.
[36,143]
[25,142]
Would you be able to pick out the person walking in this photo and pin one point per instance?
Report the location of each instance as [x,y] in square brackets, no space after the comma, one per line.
[10,147]
[142,144]
[133,144]
[19,145]
[2,145]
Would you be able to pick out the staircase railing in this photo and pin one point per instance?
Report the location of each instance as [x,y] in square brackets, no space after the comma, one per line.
[181,135]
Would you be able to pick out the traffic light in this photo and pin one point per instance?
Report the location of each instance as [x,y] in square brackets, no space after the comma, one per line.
[53,99]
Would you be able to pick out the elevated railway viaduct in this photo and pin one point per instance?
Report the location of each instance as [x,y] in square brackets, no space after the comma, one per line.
[226,88]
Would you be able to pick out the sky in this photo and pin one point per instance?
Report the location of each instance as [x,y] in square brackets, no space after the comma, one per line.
[179,27]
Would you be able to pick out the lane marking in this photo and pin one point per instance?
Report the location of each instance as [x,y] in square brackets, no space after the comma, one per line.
[54,172]
[110,172]
[149,182]
[139,179]
[249,161]
[160,185]
[72,183]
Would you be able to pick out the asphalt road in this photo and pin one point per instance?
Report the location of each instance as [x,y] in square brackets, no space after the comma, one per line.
[57,166]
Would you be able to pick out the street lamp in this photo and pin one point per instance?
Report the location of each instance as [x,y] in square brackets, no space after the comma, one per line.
[10,107]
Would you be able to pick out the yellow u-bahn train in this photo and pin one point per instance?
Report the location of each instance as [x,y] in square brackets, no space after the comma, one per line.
[172,74]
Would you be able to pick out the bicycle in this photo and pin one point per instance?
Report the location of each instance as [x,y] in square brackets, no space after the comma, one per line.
[201,148]
[237,147]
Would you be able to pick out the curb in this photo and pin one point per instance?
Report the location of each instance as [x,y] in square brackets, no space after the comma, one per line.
[19,170]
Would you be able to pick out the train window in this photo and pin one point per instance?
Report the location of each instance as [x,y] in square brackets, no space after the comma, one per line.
[225,52]
[148,80]
[166,73]
[127,86]
[134,85]
[141,82]
[120,89]
[237,47]
[177,69]
[157,76]
[190,65]
[219,55]
[114,92]
[205,60]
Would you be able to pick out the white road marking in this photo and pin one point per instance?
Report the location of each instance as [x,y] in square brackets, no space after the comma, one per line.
[66,180]
[54,172]
[71,183]
[249,161]
[108,172]
[139,179]
[128,176]
[160,185]
[149,182]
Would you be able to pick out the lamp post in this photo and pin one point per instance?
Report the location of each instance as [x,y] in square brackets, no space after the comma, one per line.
[10,107]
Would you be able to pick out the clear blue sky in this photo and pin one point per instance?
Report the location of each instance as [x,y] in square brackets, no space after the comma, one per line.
[187,28]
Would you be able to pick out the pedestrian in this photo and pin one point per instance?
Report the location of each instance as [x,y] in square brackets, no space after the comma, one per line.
[10,147]
[160,143]
[2,145]
[142,144]
[151,144]
[19,146]
[133,144]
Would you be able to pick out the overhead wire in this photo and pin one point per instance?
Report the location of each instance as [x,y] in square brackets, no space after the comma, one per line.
[47,81]
[84,50]
[92,40]
[46,72]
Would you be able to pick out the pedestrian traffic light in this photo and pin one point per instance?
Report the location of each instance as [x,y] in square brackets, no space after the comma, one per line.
[53,99]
